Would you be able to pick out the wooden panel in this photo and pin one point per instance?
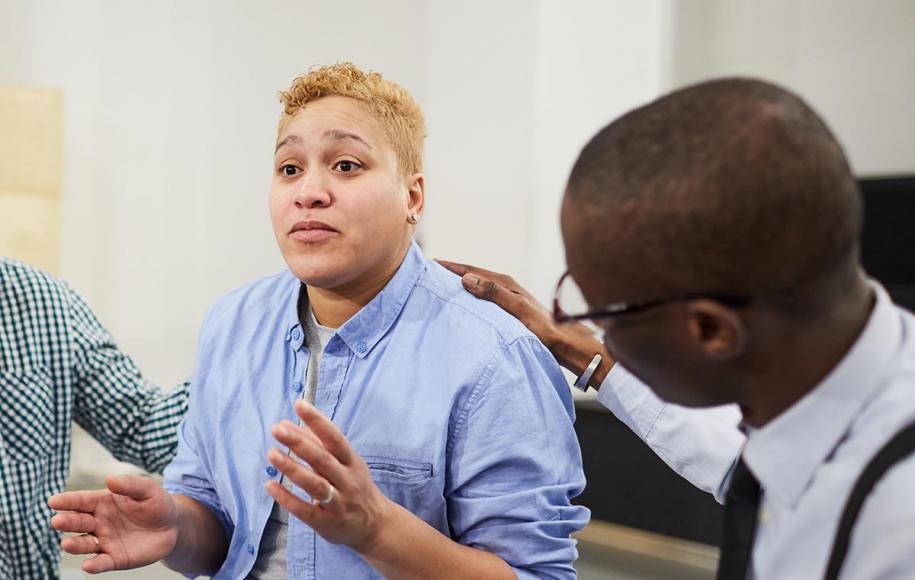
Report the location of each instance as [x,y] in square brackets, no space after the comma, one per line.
[30,229]
[31,140]
[31,169]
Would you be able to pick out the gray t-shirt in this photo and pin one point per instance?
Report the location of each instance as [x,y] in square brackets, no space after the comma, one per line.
[271,556]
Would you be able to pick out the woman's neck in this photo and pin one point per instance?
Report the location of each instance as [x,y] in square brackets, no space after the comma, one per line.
[332,307]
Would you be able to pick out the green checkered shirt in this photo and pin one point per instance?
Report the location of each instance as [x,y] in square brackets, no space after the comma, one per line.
[58,365]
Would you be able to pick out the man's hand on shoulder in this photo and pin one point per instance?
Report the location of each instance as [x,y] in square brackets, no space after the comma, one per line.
[572,344]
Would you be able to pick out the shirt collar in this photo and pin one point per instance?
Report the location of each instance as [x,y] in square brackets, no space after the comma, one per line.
[363,331]
[785,454]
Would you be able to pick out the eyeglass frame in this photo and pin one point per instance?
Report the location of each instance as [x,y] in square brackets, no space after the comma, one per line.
[622,307]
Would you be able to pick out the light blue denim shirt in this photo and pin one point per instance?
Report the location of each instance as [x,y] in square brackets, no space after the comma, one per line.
[462,415]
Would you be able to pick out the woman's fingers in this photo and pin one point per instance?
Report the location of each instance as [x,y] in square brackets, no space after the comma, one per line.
[85,544]
[77,522]
[99,564]
[306,479]
[310,450]
[135,487]
[310,513]
[76,501]
[330,436]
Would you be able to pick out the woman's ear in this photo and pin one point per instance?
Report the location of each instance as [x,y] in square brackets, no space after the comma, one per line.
[416,194]
[717,330]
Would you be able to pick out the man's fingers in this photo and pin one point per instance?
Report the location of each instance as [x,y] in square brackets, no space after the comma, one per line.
[76,501]
[82,523]
[490,290]
[135,487]
[99,564]
[331,437]
[466,269]
[457,268]
[79,545]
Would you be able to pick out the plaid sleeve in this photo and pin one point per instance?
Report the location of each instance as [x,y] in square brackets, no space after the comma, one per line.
[135,420]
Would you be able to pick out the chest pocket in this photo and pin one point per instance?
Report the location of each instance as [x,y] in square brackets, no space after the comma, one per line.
[408,483]
[27,417]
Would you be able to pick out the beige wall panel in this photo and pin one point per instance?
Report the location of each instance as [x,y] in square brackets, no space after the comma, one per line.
[30,229]
[31,133]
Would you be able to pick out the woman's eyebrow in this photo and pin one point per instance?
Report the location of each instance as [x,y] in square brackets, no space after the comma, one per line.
[332,135]
[288,139]
[339,135]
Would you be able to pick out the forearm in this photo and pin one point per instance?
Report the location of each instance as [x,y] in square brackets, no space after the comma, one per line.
[409,548]
[699,444]
[201,546]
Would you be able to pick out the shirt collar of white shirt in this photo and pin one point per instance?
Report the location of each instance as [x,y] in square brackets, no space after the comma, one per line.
[785,453]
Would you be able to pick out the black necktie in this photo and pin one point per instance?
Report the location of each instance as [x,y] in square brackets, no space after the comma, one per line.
[741,505]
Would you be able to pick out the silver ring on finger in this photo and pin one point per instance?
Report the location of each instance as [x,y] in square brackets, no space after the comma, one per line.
[331,492]
[98,548]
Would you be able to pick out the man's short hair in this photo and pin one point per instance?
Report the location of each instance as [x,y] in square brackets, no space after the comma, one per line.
[392,106]
[731,185]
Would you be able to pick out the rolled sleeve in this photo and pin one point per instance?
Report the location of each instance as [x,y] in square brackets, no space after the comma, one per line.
[516,465]
[190,473]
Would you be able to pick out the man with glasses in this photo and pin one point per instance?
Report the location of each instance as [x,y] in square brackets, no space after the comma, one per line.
[714,233]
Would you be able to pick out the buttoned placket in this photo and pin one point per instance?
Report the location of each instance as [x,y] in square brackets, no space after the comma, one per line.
[300,540]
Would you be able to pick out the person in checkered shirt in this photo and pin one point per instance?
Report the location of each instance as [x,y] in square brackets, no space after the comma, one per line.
[59,365]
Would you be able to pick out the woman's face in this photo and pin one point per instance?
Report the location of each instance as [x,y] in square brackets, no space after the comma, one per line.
[339,201]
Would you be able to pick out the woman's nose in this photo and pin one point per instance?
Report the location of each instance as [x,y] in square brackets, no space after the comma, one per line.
[312,191]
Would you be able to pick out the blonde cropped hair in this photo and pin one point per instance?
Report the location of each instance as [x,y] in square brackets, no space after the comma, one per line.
[392,106]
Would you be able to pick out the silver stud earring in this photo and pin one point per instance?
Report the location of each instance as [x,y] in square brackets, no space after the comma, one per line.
[413,218]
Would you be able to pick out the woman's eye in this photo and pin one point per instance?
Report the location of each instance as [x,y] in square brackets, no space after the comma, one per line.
[289,169]
[346,166]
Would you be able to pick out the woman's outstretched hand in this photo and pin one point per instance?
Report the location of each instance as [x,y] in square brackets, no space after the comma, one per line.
[130,524]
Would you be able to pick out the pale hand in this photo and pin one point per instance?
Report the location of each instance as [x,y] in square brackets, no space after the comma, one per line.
[134,519]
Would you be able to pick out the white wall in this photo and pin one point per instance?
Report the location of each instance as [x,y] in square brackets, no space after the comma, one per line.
[170,117]
[171,109]
[511,99]
[853,61]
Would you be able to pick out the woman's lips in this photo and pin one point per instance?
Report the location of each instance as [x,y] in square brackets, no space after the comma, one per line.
[312,236]
[312,231]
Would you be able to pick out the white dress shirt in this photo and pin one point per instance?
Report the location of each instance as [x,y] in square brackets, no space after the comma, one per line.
[808,458]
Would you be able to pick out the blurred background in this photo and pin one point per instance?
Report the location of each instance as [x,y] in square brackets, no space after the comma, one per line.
[144,184]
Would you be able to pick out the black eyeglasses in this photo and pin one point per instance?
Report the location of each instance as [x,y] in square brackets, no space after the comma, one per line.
[619,308]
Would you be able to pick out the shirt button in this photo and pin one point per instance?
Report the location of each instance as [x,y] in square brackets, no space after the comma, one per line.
[271,471]
[361,348]
[251,549]
[296,334]
[297,387]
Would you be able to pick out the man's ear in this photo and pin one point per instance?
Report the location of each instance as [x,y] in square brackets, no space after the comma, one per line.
[717,330]
[416,194]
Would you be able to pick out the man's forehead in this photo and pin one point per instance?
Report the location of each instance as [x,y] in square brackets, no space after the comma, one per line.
[605,259]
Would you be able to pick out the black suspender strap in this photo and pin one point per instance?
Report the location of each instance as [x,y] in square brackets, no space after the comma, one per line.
[896,449]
